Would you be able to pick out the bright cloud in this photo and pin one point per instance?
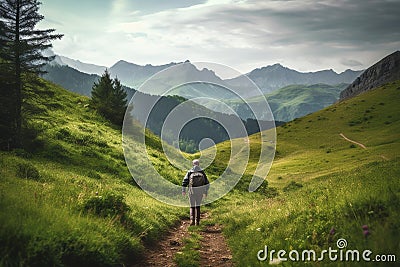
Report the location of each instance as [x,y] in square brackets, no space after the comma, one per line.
[306,35]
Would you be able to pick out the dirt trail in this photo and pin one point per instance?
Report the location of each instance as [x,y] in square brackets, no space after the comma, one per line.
[359,144]
[213,248]
[352,141]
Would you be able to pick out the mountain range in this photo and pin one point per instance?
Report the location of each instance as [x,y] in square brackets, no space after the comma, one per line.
[69,199]
[81,83]
[268,78]
[286,103]
[271,78]
[306,92]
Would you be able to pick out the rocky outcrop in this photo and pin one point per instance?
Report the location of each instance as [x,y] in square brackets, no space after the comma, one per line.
[386,70]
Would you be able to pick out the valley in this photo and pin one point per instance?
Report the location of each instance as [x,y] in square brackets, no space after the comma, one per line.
[117,150]
[318,182]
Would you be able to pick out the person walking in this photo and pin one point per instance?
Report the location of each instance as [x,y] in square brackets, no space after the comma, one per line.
[198,185]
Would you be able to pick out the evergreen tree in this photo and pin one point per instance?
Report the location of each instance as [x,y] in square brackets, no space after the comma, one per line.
[109,98]
[20,55]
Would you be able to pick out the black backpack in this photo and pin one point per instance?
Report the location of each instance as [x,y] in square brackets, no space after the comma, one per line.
[196,179]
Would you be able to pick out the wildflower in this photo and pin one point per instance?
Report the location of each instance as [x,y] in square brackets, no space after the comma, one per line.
[332,231]
[366,233]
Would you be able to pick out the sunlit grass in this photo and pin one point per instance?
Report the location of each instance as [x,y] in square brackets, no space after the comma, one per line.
[341,185]
[322,181]
[79,157]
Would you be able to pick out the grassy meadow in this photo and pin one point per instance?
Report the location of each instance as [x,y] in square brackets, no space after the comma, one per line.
[68,198]
[322,187]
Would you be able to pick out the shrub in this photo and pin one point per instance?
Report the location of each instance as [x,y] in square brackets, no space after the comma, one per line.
[292,186]
[263,187]
[268,192]
[271,192]
[27,171]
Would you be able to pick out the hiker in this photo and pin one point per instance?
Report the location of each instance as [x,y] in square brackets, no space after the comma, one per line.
[197,183]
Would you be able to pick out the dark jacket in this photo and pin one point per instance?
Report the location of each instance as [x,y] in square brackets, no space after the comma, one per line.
[185,181]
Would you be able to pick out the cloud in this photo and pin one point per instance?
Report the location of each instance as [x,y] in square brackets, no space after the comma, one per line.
[351,62]
[306,35]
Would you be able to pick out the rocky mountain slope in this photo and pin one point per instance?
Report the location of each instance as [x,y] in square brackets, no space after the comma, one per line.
[384,71]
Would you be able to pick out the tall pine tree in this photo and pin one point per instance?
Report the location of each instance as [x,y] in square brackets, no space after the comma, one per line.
[109,98]
[20,55]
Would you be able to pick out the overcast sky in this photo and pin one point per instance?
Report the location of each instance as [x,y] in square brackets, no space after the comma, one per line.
[303,35]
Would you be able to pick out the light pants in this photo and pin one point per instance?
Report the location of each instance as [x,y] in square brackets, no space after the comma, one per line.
[195,202]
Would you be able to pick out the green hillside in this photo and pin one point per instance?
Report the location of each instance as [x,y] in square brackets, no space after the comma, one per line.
[68,198]
[323,187]
[295,101]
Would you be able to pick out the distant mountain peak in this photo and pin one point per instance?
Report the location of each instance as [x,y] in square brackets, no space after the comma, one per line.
[272,77]
[79,65]
[274,67]
[121,63]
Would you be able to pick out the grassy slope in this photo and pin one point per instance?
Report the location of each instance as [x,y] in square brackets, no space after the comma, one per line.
[343,185]
[80,162]
[295,101]
[78,154]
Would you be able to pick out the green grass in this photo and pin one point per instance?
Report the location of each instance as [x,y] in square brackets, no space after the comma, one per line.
[323,182]
[296,100]
[68,198]
[189,255]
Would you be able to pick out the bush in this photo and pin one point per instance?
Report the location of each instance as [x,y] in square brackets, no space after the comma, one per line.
[292,186]
[271,192]
[27,171]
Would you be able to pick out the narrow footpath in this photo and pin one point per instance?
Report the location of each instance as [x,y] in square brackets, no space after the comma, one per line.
[213,248]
